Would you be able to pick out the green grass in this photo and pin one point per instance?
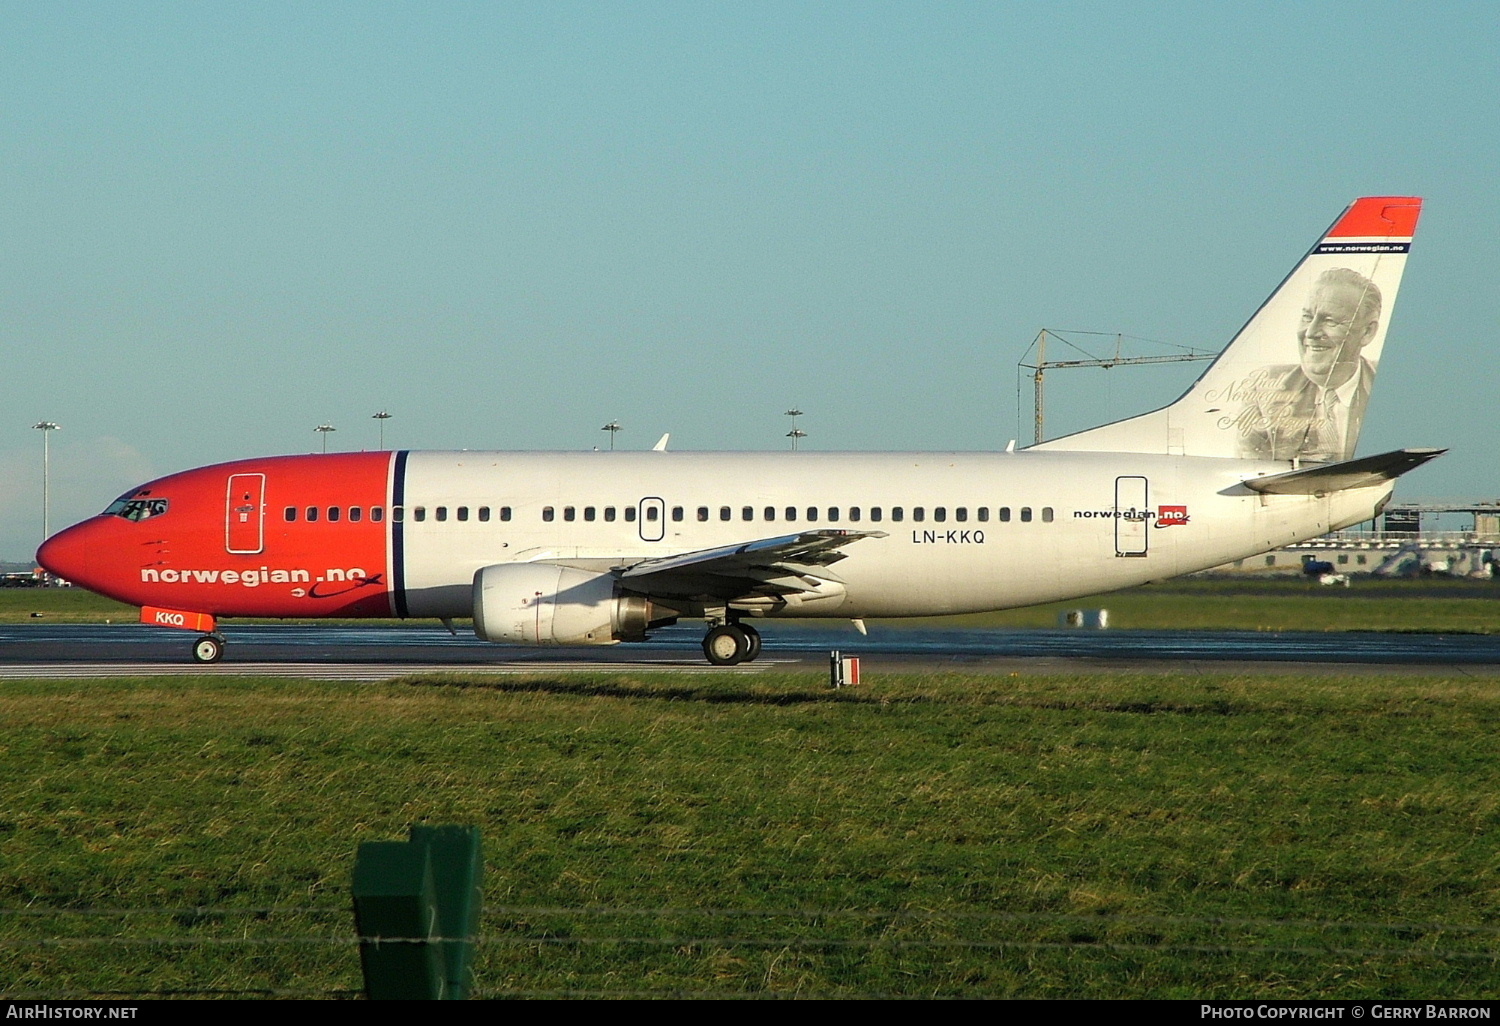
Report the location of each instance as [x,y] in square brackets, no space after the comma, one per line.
[1283,606]
[1036,836]
[61,605]
[1273,604]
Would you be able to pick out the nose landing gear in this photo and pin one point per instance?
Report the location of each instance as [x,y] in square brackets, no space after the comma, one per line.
[729,644]
[208,649]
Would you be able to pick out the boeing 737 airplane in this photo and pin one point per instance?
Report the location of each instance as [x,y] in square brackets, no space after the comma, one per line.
[594,548]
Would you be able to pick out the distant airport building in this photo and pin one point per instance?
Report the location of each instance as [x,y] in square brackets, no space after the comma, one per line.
[1400,547]
[1406,521]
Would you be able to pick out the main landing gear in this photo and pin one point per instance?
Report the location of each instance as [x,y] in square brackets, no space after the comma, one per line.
[730,643]
[208,649]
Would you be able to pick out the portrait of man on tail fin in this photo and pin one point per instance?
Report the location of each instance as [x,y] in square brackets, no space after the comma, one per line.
[1312,410]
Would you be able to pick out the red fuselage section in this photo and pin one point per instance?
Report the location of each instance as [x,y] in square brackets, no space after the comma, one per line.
[276,537]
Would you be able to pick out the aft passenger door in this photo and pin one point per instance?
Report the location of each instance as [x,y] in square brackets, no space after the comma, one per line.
[1131,517]
[245,514]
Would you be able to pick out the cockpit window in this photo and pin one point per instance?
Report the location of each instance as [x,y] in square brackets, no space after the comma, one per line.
[136,509]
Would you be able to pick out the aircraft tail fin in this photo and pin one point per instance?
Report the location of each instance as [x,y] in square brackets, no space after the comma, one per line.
[1295,381]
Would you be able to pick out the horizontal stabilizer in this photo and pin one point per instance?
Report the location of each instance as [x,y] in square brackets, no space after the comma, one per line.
[1335,477]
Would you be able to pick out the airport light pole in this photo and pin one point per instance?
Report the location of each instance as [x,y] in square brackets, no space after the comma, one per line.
[613,427]
[382,416]
[323,429]
[795,433]
[46,427]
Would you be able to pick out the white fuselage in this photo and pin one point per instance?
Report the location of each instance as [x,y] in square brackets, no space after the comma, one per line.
[976,531]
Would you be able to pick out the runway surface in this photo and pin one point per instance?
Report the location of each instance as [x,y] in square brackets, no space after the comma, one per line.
[45,650]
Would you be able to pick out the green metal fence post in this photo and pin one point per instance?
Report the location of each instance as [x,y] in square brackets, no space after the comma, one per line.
[395,913]
[416,908]
[457,873]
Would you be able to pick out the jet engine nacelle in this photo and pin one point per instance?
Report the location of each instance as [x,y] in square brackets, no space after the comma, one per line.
[547,604]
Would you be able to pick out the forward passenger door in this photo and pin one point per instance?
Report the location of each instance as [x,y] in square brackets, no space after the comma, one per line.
[245,514]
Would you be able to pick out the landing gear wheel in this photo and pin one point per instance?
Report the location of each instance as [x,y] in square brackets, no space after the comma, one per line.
[753,636]
[726,645]
[208,649]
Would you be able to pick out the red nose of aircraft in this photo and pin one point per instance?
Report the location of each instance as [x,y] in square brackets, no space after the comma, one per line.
[66,553]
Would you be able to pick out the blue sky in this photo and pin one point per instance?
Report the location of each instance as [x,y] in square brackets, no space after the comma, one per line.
[508,224]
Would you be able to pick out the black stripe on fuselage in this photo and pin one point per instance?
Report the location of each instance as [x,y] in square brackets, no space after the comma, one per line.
[398,540]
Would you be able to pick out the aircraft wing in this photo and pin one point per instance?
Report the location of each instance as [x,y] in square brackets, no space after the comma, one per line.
[1335,477]
[781,565]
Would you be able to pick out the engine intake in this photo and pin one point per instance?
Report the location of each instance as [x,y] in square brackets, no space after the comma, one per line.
[547,604]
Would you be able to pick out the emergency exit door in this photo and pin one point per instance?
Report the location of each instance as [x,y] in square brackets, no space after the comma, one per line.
[245,514]
[1132,521]
[653,519]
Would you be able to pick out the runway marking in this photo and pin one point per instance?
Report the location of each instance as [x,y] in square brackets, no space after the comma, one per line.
[371,673]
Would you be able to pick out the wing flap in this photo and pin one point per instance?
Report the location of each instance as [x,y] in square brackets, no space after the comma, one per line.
[752,563]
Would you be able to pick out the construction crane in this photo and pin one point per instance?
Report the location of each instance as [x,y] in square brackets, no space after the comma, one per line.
[1043,364]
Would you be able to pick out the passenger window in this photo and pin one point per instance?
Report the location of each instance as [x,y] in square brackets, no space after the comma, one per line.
[833,514]
[702,514]
[791,513]
[653,514]
[570,513]
[961,515]
[630,514]
[1025,514]
[854,513]
[312,514]
[548,514]
[1046,514]
[875,514]
[984,514]
[725,512]
[484,514]
[609,514]
[677,514]
[770,512]
[398,514]
[419,514]
[1005,514]
[940,514]
[589,513]
[291,514]
[355,514]
[504,512]
[333,514]
[442,514]
[919,513]
[377,514]
[463,513]
[812,513]
[748,513]
[897,514]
